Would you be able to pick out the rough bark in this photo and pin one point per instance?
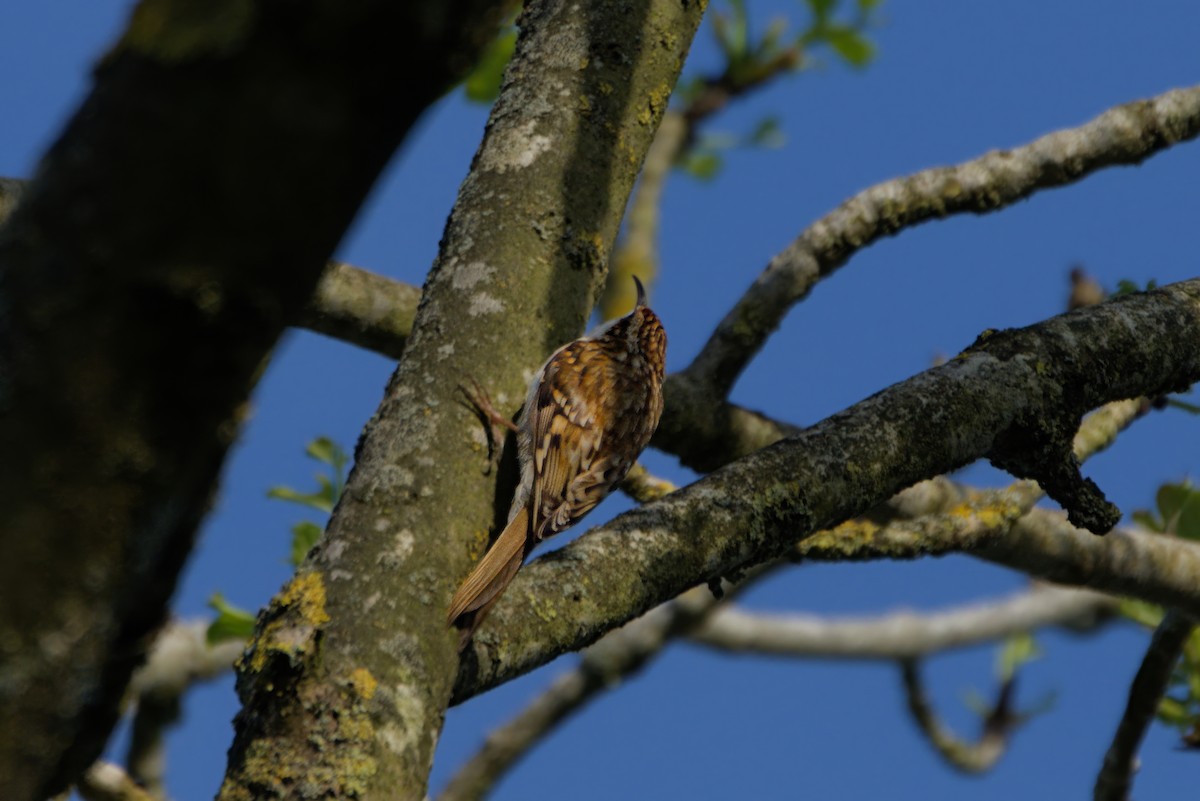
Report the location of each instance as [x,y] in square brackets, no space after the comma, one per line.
[177,225]
[347,679]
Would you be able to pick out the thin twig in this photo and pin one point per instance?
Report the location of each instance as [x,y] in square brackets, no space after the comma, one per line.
[976,757]
[1120,763]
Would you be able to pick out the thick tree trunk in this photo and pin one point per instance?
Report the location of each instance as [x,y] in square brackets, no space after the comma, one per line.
[182,219]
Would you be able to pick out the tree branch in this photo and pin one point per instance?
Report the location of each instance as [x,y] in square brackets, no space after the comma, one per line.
[180,657]
[627,650]
[1123,135]
[362,308]
[756,509]
[346,681]
[1149,685]
[374,312]
[169,236]
[902,635]
[968,757]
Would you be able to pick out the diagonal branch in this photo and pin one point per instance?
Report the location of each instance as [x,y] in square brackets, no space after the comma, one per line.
[626,651]
[1123,135]
[1149,685]
[755,509]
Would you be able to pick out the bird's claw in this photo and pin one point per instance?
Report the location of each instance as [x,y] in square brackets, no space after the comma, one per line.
[480,402]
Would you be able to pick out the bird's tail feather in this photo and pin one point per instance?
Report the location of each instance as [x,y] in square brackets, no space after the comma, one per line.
[493,573]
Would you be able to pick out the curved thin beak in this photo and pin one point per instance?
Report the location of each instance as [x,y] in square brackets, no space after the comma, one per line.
[641,292]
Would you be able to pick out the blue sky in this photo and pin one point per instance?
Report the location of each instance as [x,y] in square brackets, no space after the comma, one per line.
[950,81]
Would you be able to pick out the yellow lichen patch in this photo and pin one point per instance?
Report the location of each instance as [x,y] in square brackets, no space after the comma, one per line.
[653,110]
[545,608]
[991,517]
[293,619]
[183,30]
[363,683]
[306,593]
[962,510]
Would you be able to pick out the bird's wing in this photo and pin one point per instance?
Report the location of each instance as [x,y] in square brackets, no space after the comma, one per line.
[568,429]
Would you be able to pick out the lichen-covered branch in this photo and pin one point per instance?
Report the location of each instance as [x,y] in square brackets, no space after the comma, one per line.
[627,650]
[1123,135]
[1149,685]
[757,508]
[174,229]
[347,678]
[902,635]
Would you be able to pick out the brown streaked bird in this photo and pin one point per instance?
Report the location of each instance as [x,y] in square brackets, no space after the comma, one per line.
[590,411]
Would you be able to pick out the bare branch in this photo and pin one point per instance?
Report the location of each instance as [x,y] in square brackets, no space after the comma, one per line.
[903,635]
[968,757]
[363,308]
[1149,685]
[1123,135]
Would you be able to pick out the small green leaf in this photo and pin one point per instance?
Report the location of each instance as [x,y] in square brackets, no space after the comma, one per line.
[767,133]
[1172,711]
[323,449]
[329,491]
[732,32]
[1147,520]
[304,536]
[850,45]
[704,166]
[821,8]
[1141,612]
[231,622]
[315,500]
[1018,650]
[1170,499]
[1187,523]
[1191,651]
[483,84]
[1127,287]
